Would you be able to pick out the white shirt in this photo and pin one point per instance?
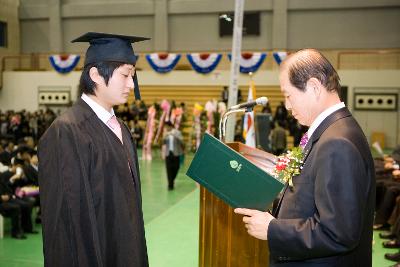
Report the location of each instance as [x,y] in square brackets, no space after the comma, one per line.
[101,112]
[170,142]
[3,168]
[321,117]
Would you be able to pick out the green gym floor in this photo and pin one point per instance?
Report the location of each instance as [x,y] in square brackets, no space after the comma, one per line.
[171,220]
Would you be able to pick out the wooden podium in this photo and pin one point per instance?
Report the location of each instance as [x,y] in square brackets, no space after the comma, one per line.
[224,241]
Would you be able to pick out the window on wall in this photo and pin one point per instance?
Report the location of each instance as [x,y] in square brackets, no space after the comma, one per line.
[251,24]
[3,34]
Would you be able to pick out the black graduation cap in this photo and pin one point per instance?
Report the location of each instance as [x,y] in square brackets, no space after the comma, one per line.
[111,47]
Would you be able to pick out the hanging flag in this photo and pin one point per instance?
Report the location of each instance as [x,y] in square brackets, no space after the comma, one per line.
[163,62]
[64,63]
[249,133]
[204,62]
[279,56]
[250,62]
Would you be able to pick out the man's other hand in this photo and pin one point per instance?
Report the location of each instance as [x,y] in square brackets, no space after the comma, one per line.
[256,222]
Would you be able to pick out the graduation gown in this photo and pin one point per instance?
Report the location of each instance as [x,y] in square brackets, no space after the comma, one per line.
[90,197]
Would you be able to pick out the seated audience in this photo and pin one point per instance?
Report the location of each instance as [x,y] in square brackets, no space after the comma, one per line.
[19,209]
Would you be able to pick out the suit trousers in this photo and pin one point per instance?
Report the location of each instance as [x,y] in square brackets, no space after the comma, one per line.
[172,165]
[19,211]
[388,203]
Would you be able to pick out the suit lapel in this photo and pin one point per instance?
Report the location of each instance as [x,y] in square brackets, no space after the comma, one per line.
[337,115]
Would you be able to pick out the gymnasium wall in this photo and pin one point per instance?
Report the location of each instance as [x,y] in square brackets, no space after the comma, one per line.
[20,91]
[192,25]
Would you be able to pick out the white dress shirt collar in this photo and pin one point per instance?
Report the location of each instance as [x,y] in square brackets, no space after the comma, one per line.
[321,117]
[101,112]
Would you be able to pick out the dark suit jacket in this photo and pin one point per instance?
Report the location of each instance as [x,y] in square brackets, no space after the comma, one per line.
[326,218]
[31,175]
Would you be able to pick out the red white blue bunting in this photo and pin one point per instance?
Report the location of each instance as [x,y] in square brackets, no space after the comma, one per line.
[279,56]
[205,62]
[164,62]
[64,63]
[250,62]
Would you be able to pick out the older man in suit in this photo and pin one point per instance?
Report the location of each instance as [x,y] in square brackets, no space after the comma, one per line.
[326,218]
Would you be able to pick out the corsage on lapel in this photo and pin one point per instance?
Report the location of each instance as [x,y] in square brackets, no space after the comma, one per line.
[289,164]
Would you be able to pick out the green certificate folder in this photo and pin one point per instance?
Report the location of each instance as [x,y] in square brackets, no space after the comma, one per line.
[238,180]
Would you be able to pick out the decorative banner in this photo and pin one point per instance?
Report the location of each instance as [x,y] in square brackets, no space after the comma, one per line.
[250,62]
[166,107]
[279,56]
[210,108]
[205,62]
[197,109]
[163,62]
[64,63]
[176,117]
[148,134]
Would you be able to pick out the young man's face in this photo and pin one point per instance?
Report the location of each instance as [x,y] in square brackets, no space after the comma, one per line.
[118,88]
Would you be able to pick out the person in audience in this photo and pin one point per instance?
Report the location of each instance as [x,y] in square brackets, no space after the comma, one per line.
[90,191]
[278,139]
[326,218]
[281,114]
[385,169]
[19,209]
[142,111]
[392,191]
[267,109]
[137,132]
[225,95]
[172,150]
[31,173]
[18,178]
[393,235]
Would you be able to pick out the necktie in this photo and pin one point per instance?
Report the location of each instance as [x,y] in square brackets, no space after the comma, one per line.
[115,127]
[304,140]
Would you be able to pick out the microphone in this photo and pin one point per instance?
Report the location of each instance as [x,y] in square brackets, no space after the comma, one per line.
[259,101]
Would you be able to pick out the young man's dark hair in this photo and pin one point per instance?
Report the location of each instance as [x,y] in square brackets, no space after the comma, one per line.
[105,69]
[305,68]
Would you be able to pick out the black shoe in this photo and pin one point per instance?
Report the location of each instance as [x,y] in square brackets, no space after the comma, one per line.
[18,236]
[387,235]
[393,256]
[391,244]
[170,187]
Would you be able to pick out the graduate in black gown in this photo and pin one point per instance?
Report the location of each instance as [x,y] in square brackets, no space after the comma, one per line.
[88,169]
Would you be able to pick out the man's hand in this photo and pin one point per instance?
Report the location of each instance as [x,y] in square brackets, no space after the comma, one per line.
[256,222]
[396,174]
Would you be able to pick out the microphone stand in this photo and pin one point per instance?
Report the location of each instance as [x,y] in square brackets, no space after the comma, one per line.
[224,118]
